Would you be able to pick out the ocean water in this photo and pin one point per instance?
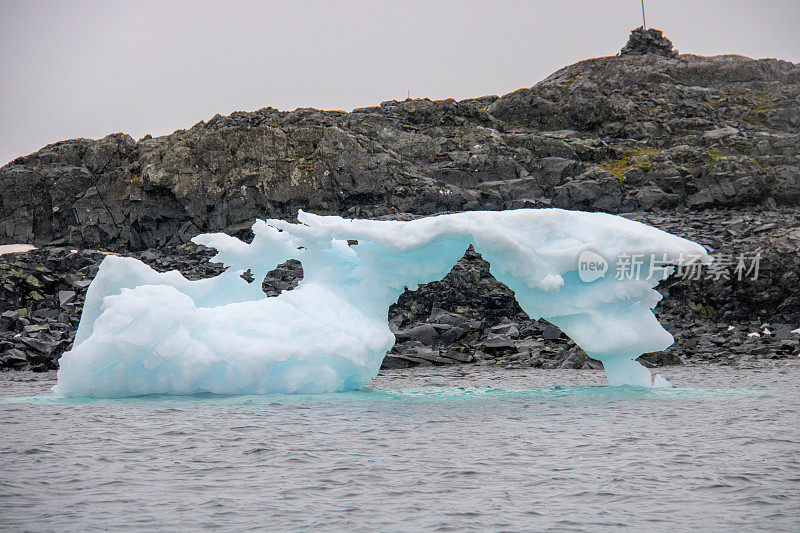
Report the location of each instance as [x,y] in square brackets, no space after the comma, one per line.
[441,449]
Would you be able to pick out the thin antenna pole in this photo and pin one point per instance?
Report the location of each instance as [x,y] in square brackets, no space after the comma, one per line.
[644,22]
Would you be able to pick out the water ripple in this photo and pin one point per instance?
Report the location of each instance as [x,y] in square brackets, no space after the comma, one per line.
[429,449]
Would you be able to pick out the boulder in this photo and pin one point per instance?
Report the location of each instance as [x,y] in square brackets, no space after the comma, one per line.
[423,333]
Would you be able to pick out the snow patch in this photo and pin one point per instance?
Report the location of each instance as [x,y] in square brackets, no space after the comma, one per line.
[15,248]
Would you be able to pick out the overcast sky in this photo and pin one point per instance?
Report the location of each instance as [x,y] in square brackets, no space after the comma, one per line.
[88,68]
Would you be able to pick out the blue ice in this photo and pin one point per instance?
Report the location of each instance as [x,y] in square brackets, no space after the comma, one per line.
[144,332]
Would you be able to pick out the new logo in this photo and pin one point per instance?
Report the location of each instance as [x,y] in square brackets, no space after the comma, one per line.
[591,266]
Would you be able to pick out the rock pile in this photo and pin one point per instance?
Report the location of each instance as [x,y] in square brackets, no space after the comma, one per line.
[41,297]
[648,41]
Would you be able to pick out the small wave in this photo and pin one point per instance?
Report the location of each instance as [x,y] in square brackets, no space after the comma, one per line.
[422,394]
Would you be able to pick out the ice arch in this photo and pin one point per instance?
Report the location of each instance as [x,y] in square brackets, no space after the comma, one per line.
[144,332]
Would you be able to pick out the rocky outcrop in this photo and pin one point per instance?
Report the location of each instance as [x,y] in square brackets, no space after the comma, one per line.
[704,147]
[639,131]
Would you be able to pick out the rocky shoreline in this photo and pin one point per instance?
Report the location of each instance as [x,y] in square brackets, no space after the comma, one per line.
[707,148]
[469,317]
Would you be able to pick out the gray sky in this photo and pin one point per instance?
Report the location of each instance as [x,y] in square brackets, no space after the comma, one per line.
[88,68]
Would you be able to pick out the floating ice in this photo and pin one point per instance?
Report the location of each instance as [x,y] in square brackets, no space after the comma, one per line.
[144,332]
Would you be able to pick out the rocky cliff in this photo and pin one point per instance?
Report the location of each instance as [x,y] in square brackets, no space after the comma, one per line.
[705,147]
[631,132]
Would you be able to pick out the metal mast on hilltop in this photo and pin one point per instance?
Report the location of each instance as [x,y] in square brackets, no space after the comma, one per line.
[644,22]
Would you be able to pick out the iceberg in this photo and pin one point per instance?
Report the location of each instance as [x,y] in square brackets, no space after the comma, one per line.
[143,332]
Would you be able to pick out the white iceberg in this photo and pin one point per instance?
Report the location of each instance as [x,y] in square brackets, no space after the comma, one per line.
[144,332]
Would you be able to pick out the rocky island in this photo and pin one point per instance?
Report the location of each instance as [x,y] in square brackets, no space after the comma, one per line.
[707,148]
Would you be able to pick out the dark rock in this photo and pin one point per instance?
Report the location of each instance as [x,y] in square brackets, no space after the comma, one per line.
[453,334]
[506,328]
[394,360]
[651,197]
[551,332]
[41,346]
[662,359]
[13,358]
[424,333]
[440,316]
[593,364]
[459,357]
[495,343]
[648,41]
[575,358]
[284,277]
